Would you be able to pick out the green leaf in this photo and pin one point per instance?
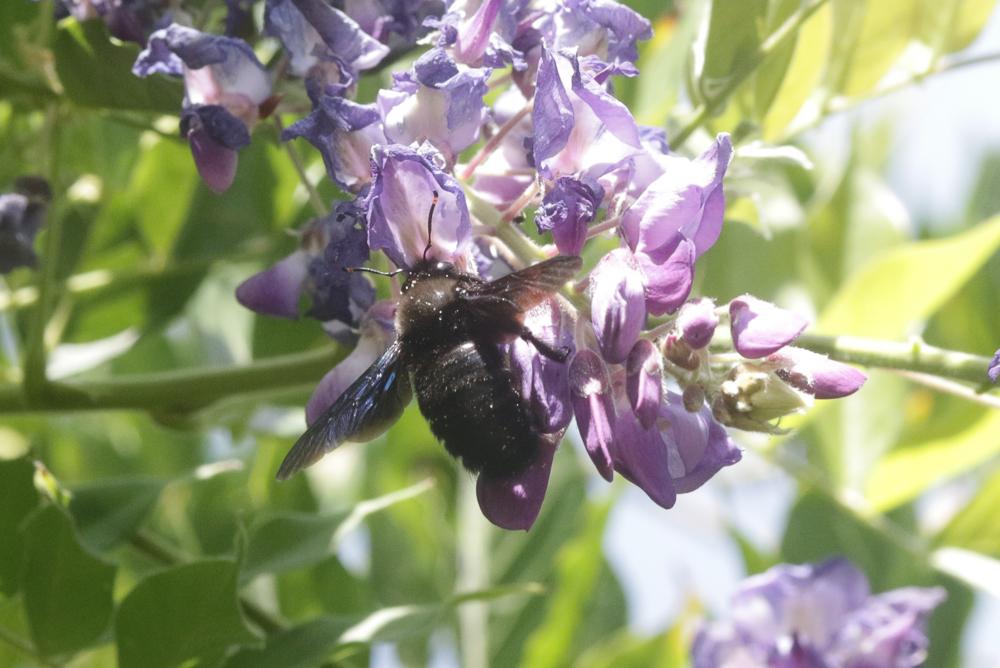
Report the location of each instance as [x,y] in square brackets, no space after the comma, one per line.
[162,186]
[108,511]
[975,526]
[187,612]
[578,568]
[889,294]
[287,541]
[883,30]
[18,498]
[904,473]
[734,28]
[968,19]
[95,72]
[67,591]
[305,646]
[803,74]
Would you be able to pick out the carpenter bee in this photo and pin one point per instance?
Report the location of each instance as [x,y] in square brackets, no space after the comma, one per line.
[449,325]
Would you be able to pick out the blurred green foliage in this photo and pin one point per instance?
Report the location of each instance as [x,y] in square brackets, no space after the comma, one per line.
[177,547]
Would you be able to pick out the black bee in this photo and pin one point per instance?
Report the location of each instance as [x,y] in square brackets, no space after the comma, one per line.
[449,325]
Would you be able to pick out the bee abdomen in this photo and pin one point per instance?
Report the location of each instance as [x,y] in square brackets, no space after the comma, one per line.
[467,396]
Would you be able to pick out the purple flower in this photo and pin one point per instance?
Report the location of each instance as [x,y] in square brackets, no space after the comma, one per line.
[128,20]
[22,214]
[760,328]
[678,455]
[504,176]
[816,374]
[395,23]
[225,86]
[580,128]
[993,370]
[324,43]
[377,331]
[676,219]
[617,311]
[513,502]
[566,211]
[543,381]
[604,28]
[594,408]
[480,36]
[344,133]
[697,322]
[644,381]
[438,102]
[400,200]
[316,270]
[818,615]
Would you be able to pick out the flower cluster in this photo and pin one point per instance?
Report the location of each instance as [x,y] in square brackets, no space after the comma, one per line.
[650,397]
[818,616]
[22,214]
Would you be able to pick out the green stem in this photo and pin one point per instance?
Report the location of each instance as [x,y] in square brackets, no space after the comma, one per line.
[36,355]
[472,575]
[317,202]
[913,356]
[24,647]
[157,549]
[179,391]
[744,69]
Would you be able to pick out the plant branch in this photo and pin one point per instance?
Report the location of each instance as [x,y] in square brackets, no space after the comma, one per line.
[179,391]
[317,202]
[915,356]
[744,69]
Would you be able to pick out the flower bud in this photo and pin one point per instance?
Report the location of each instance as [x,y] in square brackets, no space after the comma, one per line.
[697,322]
[993,370]
[679,352]
[617,307]
[644,381]
[817,374]
[593,407]
[693,398]
[760,328]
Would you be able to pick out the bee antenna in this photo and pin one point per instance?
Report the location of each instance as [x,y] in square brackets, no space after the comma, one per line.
[430,224]
[351,270]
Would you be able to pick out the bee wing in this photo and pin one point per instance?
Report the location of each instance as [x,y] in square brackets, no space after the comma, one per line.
[367,408]
[525,289]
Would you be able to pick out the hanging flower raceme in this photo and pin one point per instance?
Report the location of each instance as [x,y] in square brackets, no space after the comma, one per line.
[227,90]
[818,616]
[128,20]
[652,376]
[22,214]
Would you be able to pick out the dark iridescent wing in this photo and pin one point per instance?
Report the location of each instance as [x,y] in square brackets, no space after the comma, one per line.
[366,409]
[526,289]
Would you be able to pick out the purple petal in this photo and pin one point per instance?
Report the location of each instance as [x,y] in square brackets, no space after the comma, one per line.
[567,209]
[552,115]
[513,502]
[617,309]
[441,104]
[604,27]
[375,336]
[474,36]
[594,409]
[345,38]
[667,275]
[993,370]
[644,381]
[335,293]
[760,328]
[400,199]
[816,374]
[216,163]
[702,445]
[276,291]
[641,457]
[697,322]
[544,383]
[344,133]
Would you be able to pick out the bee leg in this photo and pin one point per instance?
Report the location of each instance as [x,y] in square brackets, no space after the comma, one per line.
[558,354]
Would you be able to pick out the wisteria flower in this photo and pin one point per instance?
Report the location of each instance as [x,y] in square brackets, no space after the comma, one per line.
[993,370]
[400,200]
[818,616]
[438,101]
[225,87]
